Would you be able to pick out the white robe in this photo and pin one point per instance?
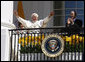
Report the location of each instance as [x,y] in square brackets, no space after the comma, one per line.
[37,24]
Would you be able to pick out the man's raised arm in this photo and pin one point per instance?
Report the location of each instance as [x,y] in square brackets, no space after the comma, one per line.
[21,20]
[16,14]
[45,20]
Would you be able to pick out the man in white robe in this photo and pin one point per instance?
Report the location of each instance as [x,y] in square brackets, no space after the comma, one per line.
[35,23]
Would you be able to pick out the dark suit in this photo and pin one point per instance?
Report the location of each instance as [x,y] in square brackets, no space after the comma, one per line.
[75,28]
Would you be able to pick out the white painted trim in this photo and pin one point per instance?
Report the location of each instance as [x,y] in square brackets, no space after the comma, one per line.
[8,25]
[64,57]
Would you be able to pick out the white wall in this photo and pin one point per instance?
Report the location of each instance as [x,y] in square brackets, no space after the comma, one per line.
[6,23]
[6,11]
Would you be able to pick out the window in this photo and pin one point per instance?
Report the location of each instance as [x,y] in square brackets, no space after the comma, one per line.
[78,6]
[59,10]
[62,11]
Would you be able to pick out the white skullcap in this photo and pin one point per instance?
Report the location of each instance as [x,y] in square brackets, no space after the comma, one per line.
[35,14]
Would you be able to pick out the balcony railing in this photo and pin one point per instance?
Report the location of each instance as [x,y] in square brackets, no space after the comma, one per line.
[26,45]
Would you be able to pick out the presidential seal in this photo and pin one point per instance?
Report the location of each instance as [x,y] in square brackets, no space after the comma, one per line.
[52,45]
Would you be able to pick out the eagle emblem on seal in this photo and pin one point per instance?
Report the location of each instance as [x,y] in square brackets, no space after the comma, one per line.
[52,45]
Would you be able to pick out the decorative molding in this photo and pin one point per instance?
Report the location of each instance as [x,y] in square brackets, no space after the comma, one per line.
[8,25]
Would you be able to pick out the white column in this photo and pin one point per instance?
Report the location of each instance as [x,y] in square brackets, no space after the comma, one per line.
[6,23]
[7,11]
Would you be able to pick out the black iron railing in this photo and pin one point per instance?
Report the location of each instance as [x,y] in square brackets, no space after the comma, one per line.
[26,46]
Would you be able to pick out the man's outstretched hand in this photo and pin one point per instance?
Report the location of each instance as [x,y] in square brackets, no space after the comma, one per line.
[51,14]
[16,13]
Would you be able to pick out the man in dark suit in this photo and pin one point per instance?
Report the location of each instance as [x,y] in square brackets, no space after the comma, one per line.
[73,24]
[71,19]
